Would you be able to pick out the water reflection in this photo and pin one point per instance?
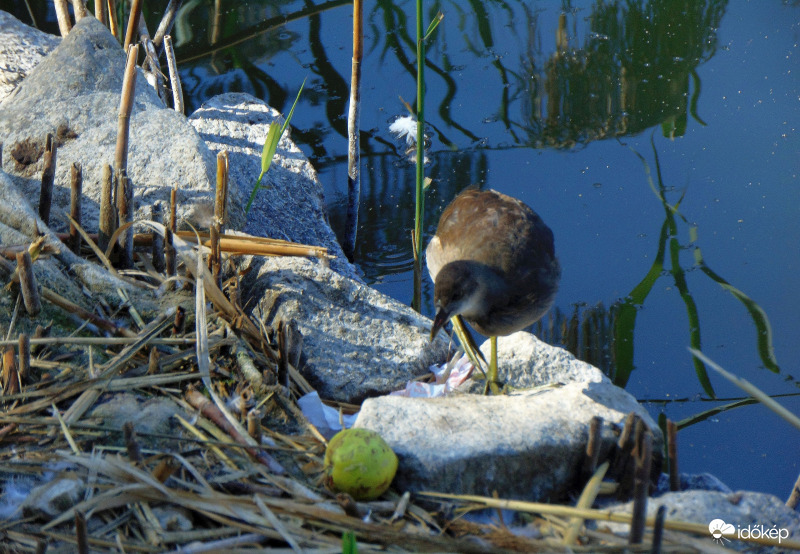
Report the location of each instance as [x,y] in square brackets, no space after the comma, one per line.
[632,72]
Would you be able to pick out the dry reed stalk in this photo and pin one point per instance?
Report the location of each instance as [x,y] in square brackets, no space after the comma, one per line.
[244,245]
[125,216]
[586,500]
[179,322]
[65,304]
[150,65]
[27,283]
[220,198]
[131,444]
[212,412]
[101,12]
[11,378]
[62,15]
[152,362]
[157,250]
[108,215]
[112,18]
[48,176]
[642,455]
[353,131]
[593,446]
[133,24]
[126,107]
[623,451]
[81,534]
[174,76]
[254,425]
[672,455]
[170,254]
[794,497]
[165,26]
[76,193]
[658,530]
[283,354]
[79,7]
[24,357]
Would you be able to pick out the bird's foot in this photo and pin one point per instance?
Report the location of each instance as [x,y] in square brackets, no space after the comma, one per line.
[495,387]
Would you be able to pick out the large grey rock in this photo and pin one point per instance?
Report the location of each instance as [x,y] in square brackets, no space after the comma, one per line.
[292,206]
[526,445]
[356,341]
[21,49]
[524,361]
[741,512]
[74,94]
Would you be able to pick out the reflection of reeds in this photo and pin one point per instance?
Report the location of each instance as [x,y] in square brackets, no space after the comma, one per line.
[632,72]
[587,332]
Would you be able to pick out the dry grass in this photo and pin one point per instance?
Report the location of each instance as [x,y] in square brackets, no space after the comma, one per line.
[238,494]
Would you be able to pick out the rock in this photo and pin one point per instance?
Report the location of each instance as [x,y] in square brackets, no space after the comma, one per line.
[524,361]
[291,207]
[74,93]
[747,512]
[356,341]
[526,445]
[691,482]
[21,49]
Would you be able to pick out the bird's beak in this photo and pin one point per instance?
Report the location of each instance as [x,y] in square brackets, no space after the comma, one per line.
[438,322]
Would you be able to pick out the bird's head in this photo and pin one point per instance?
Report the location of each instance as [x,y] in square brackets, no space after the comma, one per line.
[458,289]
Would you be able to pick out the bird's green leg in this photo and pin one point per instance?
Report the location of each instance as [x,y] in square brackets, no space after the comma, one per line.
[491,378]
[468,343]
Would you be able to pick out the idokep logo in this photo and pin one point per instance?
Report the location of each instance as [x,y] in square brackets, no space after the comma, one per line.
[720,531]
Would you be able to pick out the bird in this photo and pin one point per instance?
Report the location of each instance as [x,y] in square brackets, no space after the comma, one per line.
[493,262]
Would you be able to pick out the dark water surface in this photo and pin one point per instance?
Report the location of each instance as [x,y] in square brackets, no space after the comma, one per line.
[659,140]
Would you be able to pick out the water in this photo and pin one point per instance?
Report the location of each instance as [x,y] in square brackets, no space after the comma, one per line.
[576,113]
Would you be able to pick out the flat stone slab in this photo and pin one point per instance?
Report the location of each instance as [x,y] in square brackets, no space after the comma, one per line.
[526,445]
